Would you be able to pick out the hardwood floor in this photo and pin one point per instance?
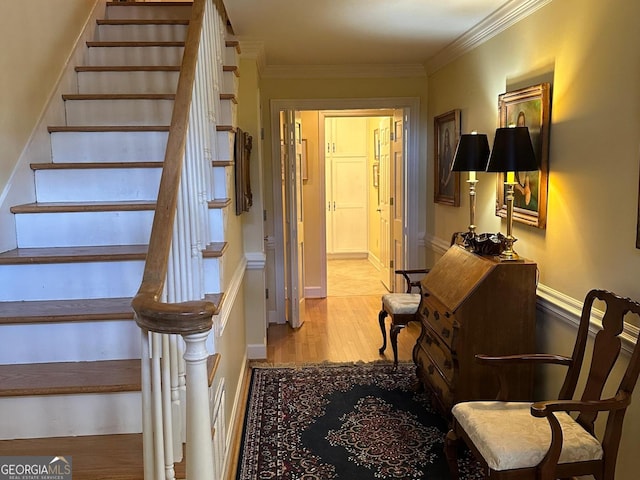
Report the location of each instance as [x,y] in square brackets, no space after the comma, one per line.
[337,329]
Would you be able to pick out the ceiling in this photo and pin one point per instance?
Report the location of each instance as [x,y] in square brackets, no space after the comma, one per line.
[357,32]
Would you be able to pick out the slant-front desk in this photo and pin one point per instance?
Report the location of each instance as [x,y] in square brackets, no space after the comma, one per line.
[473,304]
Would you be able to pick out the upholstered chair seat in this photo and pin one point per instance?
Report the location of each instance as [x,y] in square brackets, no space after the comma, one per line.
[401,303]
[509,437]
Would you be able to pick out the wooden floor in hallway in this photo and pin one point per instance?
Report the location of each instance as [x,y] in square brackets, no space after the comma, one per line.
[342,327]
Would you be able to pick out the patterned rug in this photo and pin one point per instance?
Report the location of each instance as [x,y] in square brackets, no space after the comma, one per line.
[351,422]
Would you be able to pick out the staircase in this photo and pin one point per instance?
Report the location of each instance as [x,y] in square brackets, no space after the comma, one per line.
[70,374]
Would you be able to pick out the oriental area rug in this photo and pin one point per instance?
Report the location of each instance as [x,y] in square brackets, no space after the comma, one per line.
[353,422]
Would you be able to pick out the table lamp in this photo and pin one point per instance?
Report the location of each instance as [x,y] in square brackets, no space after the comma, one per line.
[471,156]
[512,152]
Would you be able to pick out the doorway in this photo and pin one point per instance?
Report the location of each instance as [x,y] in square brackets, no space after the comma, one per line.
[407,182]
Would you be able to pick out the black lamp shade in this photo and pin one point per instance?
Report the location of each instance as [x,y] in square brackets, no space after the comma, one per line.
[471,154]
[512,151]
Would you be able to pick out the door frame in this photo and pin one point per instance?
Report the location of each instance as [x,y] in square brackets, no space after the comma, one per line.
[411,107]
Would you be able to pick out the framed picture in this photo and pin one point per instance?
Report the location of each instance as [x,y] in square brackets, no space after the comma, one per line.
[242,155]
[530,107]
[446,182]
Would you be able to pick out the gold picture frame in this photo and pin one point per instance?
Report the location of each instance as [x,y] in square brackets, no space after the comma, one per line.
[530,107]
[446,134]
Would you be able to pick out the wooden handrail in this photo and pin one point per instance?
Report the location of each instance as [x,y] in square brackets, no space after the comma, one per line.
[152,314]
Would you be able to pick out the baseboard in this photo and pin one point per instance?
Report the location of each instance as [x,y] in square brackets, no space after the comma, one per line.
[347,255]
[257,351]
[234,432]
[314,292]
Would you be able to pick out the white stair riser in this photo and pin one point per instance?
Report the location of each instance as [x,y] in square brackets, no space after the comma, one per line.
[133,56]
[229,113]
[70,280]
[128,82]
[77,229]
[141,33]
[222,179]
[212,275]
[142,12]
[70,342]
[118,112]
[231,56]
[97,185]
[225,142]
[229,83]
[83,147]
[218,223]
[70,415]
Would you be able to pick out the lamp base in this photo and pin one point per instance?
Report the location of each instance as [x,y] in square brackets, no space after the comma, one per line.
[509,256]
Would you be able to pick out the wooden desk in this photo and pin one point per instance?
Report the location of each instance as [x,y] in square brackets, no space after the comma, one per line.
[473,304]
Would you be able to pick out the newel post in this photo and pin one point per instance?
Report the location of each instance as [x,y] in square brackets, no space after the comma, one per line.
[199,452]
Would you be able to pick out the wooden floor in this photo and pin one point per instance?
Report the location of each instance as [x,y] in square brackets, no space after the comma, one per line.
[337,329]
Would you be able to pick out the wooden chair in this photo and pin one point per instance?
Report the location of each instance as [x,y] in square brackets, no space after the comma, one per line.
[516,440]
[401,307]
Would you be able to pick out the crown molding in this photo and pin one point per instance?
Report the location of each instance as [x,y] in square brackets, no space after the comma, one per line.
[344,71]
[253,49]
[503,18]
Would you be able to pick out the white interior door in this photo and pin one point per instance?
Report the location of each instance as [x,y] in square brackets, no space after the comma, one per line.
[384,205]
[396,179]
[294,220]
[346,162]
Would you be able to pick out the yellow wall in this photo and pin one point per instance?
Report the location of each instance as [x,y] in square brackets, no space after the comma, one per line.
[588,50]
[37,36]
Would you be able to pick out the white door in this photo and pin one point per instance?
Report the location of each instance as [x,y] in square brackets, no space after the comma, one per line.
[294,245]
[384,205]
[346,163]
[396,181]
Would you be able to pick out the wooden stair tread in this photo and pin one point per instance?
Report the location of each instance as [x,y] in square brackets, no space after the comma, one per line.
[95,457]
[142,21]
[229,96]
[108,128]
[134,3]
[233,43]
[93,165]
[73,254]
[127,68]
[133,43]
[63,378]
[219,203]
[76,310]
[231,68]
[215,250]
[69,207]
[119,96]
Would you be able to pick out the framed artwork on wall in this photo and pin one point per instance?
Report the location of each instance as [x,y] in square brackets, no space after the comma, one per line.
[529,107]
[446,134]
